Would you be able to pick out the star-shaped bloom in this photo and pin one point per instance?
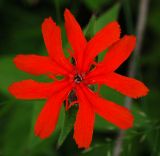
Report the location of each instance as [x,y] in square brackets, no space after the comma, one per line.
[78,77]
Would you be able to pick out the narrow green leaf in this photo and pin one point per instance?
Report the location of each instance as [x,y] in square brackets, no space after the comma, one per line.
[68,124]
[89,30]
[109,16]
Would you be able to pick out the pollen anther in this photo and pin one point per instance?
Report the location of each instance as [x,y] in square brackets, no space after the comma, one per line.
[78,78]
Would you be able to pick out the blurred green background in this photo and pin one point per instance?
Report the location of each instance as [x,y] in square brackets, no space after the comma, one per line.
[20,33]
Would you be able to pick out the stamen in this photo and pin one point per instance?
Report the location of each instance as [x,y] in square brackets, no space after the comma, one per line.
[71,104]
[78,78]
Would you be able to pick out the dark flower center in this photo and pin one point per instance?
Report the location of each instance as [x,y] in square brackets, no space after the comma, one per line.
[78,78]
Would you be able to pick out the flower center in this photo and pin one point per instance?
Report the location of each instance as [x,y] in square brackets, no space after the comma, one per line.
[78,78]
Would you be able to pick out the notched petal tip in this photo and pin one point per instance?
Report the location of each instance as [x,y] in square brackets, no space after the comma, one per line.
[133,37]
[81,145]
[115,24]
[143,91]
[40,133]
[130,37]
[66,11]
[131,40]
[30,89]
[68,16]
[48,21]
[15,89]
[11,90]
[146,90]
[17,58]
[116,27]
[128,123]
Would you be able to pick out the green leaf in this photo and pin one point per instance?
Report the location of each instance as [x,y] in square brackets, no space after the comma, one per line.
[68,124]
[109,16]
[89,30]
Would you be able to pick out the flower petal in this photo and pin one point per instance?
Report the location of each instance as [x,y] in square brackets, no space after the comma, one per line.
[30,89]
[38,65]
[119,52]
[48,117]
[101,41]
[83,128]
[125,85]
[116,114]
[52,38]
[75,37]
[116,55]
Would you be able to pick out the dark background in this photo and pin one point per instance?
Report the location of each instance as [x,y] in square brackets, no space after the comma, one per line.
[20,33]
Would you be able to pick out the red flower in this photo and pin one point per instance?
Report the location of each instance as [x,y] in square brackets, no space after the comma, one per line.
[78,77]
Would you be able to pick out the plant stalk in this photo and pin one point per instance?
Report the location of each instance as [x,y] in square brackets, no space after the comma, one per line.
[141,23]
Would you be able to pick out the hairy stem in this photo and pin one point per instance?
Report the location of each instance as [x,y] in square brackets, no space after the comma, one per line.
[143,11]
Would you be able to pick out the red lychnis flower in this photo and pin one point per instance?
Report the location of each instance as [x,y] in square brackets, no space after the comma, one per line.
[78,77]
